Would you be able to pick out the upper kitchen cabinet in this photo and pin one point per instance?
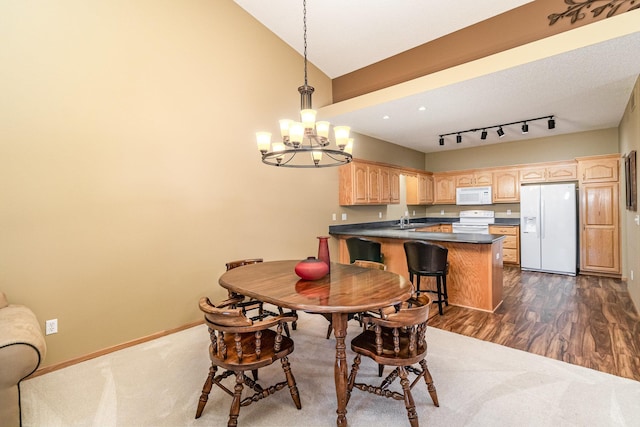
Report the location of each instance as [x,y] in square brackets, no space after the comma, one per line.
[394,184]
[444,189]
[474,179]
[368,183]
[419,189]
[506,185]
[549,172]
[599,168]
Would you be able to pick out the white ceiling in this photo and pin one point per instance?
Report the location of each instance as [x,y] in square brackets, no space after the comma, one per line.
[585,89]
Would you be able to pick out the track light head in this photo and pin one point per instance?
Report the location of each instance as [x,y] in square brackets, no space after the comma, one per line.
[500,132]
[441,142]
[551,124]
[459,138]
[483,135]
[525,128]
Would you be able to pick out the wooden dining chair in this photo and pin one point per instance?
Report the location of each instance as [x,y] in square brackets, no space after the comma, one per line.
[359,263]
[397,339]
[253,304]
[238,344]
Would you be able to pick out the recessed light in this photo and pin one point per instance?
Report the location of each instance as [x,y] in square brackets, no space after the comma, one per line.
[385,117]
[423,108]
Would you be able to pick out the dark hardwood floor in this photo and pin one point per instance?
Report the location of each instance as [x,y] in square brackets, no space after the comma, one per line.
[585,320]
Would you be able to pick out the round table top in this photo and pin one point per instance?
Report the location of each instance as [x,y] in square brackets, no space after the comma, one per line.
[346,289]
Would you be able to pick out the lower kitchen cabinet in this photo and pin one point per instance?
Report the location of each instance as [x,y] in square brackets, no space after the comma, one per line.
[511,243]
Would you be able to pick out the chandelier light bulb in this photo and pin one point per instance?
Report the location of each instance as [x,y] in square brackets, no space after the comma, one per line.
[342,135]
[285,124]
[349,147]
[308,118]
[322,129]
[316,156]
[264,141]
[296,133]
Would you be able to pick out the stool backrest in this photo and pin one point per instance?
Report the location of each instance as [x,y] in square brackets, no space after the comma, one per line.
[425,257]
[239,263]
[364,249]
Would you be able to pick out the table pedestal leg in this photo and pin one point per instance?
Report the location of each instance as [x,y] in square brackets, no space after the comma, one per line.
[339,321]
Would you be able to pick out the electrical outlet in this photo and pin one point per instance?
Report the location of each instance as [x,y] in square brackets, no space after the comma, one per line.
[344,216]
[631,274]
[508,211]
[51,326]
[379,214]
[333,217]
[441,211]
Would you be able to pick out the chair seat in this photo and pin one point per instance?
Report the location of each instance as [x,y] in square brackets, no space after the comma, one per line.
[250,359]
[365,344]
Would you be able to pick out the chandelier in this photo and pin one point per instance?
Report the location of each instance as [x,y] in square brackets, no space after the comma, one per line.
[306,143]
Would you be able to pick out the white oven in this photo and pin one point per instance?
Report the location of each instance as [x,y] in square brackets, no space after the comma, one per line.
[475,221]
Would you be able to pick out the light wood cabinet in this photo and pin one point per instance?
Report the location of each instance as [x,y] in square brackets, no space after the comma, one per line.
[385,185]
[474,179]
[419,189]
[437,228]
[425,189]
[506,186]
[364,183]
[510,244]
[599,168]
[549,172]
[444,189]
[599,214]
[394,177]
[599,228]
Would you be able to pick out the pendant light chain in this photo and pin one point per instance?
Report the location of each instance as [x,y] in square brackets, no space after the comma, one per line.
[304,21]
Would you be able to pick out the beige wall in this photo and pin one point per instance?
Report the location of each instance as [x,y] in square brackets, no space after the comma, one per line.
[129,172]
[630,140]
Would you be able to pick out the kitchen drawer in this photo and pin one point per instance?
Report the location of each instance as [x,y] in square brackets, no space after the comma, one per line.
[430,229]
[446,228]
[508,230]
[510,256]
[510,242]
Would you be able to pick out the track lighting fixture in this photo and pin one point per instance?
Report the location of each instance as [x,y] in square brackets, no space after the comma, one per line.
[551,124]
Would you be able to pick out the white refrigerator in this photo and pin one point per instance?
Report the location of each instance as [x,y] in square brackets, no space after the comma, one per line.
[548,228]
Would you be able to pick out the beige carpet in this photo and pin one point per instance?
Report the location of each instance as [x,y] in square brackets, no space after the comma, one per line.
[479,384]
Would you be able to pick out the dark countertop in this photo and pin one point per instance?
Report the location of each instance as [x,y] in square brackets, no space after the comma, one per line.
[507,221]
[390,230]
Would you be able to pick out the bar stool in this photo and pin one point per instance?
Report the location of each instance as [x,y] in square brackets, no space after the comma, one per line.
[429,259]
[363,249]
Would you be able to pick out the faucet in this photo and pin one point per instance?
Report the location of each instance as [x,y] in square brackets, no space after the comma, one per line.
[402,219]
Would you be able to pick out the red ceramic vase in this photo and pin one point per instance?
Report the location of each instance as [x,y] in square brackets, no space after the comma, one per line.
[323,250]
[311,269]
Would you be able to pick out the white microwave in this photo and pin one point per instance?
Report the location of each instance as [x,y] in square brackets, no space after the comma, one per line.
[473,196]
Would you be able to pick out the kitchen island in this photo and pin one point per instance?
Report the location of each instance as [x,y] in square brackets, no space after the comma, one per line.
[475,260]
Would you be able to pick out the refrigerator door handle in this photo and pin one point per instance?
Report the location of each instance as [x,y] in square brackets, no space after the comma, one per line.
[542,218]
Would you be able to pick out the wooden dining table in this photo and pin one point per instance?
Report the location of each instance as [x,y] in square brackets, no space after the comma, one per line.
[346,289]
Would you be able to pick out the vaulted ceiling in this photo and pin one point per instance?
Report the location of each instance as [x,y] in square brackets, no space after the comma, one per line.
[585,84]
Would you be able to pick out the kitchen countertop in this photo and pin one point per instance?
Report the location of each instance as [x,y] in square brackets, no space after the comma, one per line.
[391,230]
